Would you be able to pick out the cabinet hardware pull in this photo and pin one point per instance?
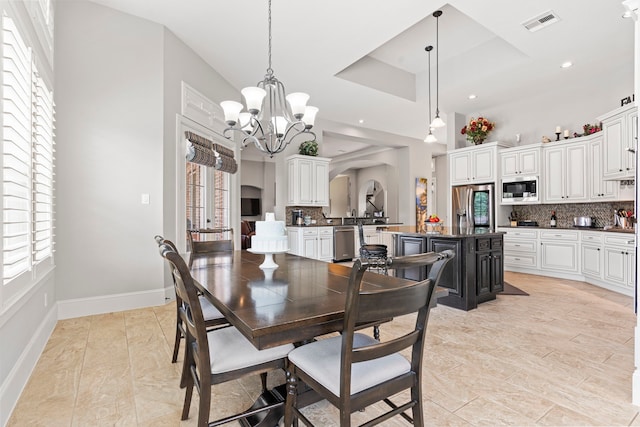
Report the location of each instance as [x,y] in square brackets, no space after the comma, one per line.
[630,242]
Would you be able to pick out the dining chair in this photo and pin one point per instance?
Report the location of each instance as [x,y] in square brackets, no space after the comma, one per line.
[212,316]
[353,370]
[217,356]
[374,255]
[201,247]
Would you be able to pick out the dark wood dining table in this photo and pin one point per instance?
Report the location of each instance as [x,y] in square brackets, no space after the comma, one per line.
[298,301]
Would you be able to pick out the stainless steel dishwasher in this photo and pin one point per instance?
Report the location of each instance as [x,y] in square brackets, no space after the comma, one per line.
[343,243]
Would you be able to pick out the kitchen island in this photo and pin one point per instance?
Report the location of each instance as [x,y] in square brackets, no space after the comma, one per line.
[474,276]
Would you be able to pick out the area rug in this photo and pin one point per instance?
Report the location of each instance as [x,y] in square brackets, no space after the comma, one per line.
[509,289]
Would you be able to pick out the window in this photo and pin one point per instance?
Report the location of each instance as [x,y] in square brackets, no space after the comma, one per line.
[27,165]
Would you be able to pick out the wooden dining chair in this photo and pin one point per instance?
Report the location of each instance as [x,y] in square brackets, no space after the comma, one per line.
[212,316]
[208,241]
[353,370]
[217,356]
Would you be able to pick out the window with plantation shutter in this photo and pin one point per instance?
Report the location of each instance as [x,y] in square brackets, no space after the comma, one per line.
[27,114]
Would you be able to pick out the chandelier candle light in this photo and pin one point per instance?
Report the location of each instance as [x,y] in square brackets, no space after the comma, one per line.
[269,122]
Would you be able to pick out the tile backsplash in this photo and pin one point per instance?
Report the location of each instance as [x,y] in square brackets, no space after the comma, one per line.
[603,212]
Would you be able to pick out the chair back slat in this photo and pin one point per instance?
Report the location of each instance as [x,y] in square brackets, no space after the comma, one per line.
[386,348]
[376,305]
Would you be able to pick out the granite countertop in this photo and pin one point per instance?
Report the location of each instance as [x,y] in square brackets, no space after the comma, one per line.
[542,227]
[446,231]
[342,225]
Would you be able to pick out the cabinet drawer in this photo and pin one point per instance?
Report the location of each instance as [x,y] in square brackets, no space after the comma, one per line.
[520,246]
[626,240]
[310,232]
[559,235]
[496,244]
[529,261]
[523,234]
[592,237]
[325,231]
[483,244]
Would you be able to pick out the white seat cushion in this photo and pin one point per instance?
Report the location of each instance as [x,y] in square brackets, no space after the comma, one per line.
[230,350]
[209,311]
[321,360]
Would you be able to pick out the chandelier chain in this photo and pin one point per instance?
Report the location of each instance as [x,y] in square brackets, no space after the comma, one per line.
[269,69]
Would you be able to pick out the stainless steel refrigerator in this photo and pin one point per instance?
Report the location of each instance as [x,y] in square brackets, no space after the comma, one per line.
[473,206]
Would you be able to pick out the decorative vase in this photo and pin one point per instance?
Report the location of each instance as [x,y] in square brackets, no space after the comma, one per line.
[476,140]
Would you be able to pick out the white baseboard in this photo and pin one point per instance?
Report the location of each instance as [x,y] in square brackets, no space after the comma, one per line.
[78,307]
[15,382]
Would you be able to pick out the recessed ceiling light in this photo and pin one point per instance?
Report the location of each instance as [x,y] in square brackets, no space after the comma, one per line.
[472,96]
[627,14]
[361,121]
[566,64]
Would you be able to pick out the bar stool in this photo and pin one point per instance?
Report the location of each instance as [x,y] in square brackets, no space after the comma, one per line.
[374,254]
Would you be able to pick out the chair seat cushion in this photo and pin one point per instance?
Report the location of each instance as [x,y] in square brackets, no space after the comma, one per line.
[321,361]
[209,311]
[230,350]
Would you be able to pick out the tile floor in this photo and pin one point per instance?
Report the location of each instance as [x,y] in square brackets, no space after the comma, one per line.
[561,356]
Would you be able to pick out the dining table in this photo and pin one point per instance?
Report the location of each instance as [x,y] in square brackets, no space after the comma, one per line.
[298,301]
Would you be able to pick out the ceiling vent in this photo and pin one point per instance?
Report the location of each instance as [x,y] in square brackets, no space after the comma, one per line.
[541,21]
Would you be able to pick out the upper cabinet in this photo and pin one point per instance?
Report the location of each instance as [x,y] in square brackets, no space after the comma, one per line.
[474,165]
[620,134]
[599,189]
[308,179]
[565,173]
[520,161]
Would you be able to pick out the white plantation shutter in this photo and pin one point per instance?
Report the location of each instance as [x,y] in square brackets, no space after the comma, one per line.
[16,153]
[27,165]
[42,170]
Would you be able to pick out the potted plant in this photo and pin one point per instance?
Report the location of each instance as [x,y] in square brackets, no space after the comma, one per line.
[309,148]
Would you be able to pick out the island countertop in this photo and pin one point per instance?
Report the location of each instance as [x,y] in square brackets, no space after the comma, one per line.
[442,231]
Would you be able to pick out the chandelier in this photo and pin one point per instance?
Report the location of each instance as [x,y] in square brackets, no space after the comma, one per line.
[273,119]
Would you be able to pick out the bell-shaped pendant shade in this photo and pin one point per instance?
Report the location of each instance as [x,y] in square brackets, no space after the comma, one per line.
[309,117]
[231,111]
[279,124]
[253,96]
[245,122]
[437,122]
[297,102]
[430,138]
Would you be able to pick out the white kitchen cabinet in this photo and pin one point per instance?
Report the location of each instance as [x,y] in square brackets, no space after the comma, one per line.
[620,135]
[311,242]
[620,260]
[599,189]
[559,251]
[565,173]
[473,165]
[520,161]
[308,181]
[592,254]
[520,249]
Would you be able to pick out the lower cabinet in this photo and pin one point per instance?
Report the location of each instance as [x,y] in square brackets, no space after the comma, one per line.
[559,251]
[489,268]
[591,261]
[312,242]
[411,245]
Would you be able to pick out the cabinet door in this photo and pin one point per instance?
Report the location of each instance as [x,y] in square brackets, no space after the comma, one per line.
[306,181]
[293,190]
[615,265]
[613,131]
[295,241]
[529,162]
[631,141]
[509,164]
[309,247]
[631,269]
[591,261]
[325,247]
[483,166]
[321,187]
[483,273]
[559,256]
[452,274]
[497,272]
[576,173]
[460,168]
[409,245]
[554,174]
[599,189]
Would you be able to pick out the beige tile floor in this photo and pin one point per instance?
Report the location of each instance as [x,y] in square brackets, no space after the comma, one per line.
[561,356]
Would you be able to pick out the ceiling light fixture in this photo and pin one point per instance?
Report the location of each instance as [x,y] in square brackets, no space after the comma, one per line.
[566,64]
[270,123]
[430,136]
[437,121]
[472,96]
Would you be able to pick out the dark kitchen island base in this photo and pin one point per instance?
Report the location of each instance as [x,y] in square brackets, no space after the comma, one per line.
[474,276]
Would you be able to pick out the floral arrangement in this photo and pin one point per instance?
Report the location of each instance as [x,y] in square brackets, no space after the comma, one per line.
[308,148]
[589,129]
[477,130]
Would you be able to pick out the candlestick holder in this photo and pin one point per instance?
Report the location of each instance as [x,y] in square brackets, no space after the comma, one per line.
[566,137]
[557,136]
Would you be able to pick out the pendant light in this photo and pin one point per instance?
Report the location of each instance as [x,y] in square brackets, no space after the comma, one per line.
[430,136]
[437,121]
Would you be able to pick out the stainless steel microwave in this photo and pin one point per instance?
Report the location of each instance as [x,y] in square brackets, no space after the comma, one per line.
[520,190]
